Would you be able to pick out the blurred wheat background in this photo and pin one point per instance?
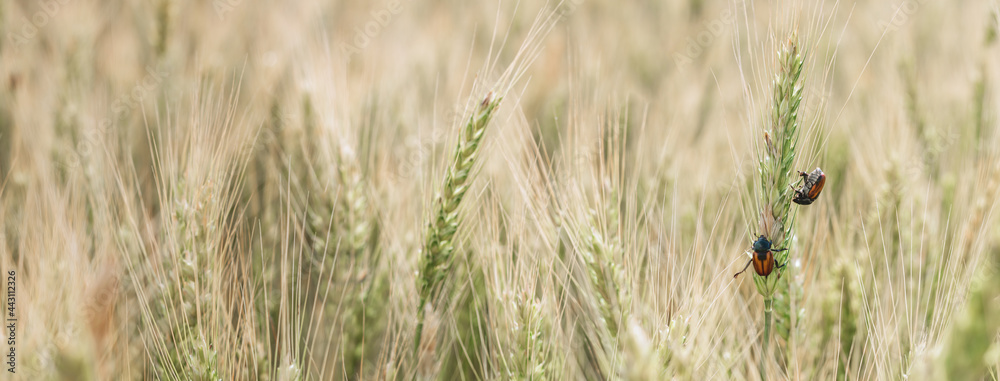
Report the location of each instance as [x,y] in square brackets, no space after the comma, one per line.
[530,190]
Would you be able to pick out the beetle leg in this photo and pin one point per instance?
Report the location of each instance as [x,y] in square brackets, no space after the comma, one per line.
[782,265]
[744,269]
[777,250]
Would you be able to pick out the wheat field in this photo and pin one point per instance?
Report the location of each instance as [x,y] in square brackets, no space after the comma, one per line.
[496,190]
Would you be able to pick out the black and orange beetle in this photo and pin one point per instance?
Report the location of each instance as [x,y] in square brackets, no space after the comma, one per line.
[812,185]
[762,259]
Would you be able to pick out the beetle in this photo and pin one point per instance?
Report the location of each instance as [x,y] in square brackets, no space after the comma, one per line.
[812,185]
[762,259]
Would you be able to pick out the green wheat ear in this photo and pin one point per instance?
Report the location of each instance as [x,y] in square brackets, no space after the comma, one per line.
[776,159]
[970,350]
[965,354]
[439,246]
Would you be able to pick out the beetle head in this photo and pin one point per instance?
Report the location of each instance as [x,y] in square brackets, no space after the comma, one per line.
[761,245]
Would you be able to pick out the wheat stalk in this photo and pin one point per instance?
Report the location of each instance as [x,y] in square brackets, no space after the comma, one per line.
[776,158]
[966,353]
[439,247]
[363,317]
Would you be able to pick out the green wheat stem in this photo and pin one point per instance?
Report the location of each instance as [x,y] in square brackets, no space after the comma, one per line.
[767,334]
